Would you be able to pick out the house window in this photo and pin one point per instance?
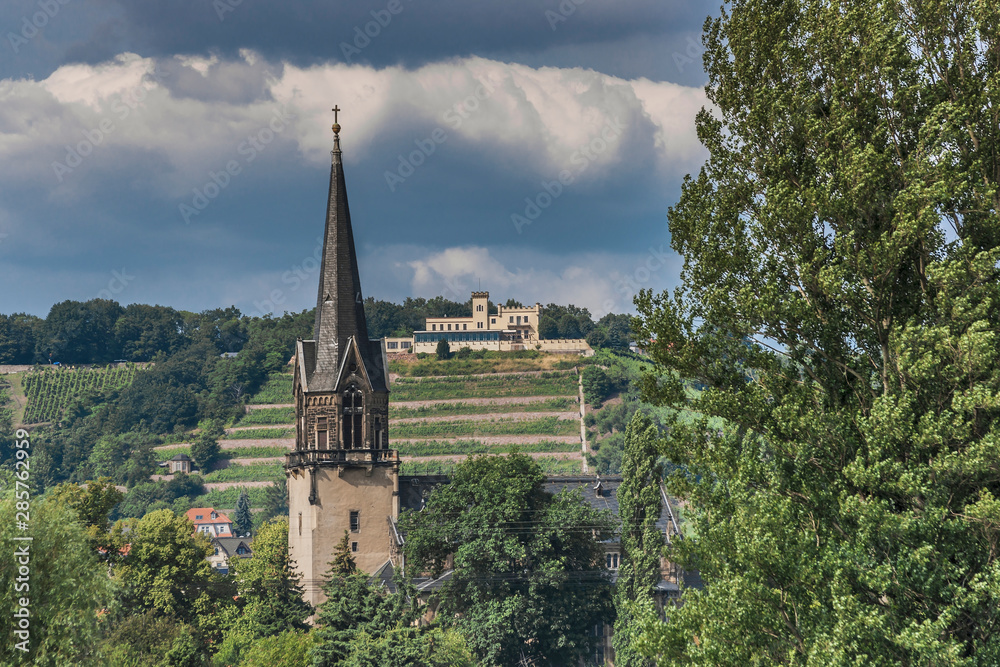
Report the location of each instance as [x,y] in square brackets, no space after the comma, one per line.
[392,346]
[511,318]
[379,444]
[354,547]
[434,327]
[612,561]
[465,327]
[405,344]
[300,523]
[449,327]
[493,320]
[321,433]
[355,521]
[198,517]
[242,551]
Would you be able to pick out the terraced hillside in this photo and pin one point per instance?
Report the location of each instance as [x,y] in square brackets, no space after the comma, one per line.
[435,421]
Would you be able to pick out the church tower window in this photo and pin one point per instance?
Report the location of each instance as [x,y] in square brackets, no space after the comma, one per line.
[354,409]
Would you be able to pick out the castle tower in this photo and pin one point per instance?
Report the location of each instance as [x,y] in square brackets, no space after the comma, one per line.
[342,476]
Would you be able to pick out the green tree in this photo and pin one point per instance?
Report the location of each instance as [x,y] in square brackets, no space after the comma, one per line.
[205,449]
[840,304]
[17,338]
[166,569]
[270,594]
[244,521]
[529,575]
[93,506]
[62,580]
[343,562]
[639,508]
[289,649]
[353,606]
[79,332]
[443,350]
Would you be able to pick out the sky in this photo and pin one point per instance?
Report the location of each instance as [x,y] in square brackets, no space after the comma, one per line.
[178,153]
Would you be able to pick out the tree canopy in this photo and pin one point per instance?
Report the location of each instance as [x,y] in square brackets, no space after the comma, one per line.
[840,306]
[529,577]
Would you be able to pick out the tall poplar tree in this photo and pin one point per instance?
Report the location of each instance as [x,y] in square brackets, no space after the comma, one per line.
[639,508]
[840,304]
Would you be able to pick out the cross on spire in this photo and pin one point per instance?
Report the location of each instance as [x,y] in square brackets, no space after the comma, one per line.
[335,110]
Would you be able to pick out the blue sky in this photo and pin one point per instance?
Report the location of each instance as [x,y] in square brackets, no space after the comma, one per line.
[178,153]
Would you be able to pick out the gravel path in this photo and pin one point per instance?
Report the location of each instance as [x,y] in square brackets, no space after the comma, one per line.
[236,444]
[566,456]
[491,417]
[494,439]
[396,376]
[262,406]
[236,429]
[249,462]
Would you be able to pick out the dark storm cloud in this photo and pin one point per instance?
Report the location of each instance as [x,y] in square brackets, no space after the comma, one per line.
[592,33]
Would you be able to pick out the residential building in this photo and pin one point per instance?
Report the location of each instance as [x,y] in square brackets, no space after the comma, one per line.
[226,549]
[210,522]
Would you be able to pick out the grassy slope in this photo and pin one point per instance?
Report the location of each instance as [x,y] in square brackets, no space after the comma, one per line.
[423,382]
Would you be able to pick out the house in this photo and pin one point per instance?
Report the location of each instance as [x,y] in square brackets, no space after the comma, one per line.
[508,329]
[210,522]
[227,548]
[180,463]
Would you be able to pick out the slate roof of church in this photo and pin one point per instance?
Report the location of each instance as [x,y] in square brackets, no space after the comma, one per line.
[340,311]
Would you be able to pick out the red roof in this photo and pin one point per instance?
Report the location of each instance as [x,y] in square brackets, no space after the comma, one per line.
[200,516]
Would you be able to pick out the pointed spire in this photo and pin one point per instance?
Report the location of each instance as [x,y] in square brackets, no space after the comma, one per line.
[340,312]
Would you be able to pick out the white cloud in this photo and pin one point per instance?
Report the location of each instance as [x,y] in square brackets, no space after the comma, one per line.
[546,114]
[602,282]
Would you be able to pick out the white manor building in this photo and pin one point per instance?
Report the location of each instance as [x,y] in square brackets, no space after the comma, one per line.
[507,329]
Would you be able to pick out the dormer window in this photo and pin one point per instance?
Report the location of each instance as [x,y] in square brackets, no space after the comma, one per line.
[599,490]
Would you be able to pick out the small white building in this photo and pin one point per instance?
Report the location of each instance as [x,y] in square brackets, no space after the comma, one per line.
[210,522]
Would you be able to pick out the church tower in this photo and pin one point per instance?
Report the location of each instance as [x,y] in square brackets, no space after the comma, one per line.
[342,476]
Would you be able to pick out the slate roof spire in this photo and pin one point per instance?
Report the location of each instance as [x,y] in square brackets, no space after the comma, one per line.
[340,312]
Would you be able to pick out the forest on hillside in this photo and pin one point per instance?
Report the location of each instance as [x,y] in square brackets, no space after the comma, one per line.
[100,331]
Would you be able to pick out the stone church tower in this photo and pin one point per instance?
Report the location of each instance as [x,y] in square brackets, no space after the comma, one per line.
[342,476]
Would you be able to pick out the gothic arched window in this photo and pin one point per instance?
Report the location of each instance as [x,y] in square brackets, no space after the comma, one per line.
[354,411]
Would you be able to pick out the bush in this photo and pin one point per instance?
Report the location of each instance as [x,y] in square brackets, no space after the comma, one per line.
[596,385]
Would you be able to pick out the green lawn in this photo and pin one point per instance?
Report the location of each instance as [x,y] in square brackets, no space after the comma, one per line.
[545,384]
[541,426]
[277,389]
[258,472]
[266,416]
[448,409]
[439,448]
[261,434]
[550,466]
